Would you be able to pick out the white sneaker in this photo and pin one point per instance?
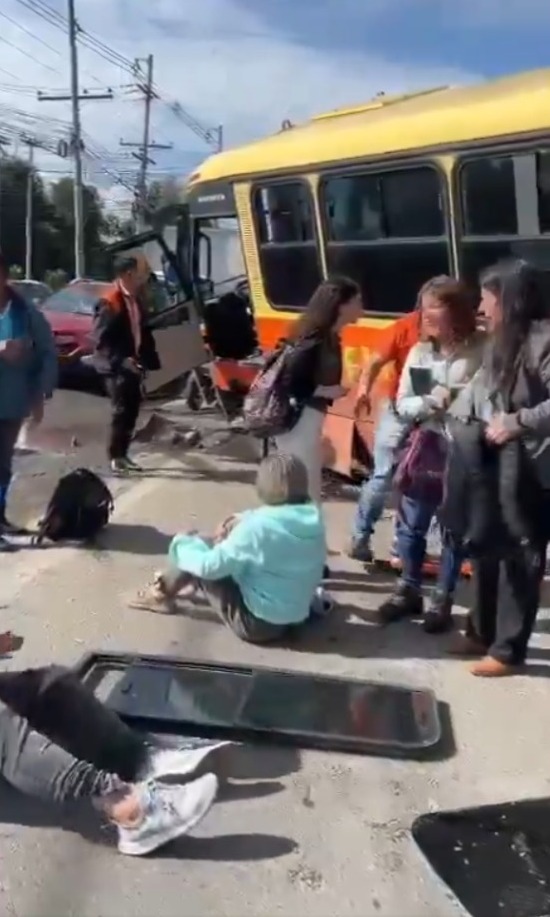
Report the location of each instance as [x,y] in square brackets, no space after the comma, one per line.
[168,813]
[180,762]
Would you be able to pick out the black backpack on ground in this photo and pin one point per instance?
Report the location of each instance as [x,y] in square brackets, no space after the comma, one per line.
[80,506]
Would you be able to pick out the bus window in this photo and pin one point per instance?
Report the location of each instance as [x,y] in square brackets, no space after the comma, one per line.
[505,211]
[488,193]
[387,231]
[287,243]
[543,188]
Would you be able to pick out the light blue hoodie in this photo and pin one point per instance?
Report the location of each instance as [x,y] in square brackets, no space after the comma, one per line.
[275,554]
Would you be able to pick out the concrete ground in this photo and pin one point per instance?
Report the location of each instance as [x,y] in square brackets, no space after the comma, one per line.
[314,833]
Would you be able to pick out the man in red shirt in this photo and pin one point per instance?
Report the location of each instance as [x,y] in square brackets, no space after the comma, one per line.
[393,347]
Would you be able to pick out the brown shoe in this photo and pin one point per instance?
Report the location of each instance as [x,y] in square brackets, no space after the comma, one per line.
[466,646]
[488,667]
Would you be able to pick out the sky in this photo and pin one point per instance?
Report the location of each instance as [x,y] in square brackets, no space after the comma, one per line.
[246,64]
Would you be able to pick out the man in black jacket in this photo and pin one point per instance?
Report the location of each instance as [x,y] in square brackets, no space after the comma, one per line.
[124,351]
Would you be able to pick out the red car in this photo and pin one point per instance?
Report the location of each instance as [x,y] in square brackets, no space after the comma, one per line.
[70,314]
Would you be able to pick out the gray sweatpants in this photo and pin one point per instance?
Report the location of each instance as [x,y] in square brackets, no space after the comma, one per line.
[225,598]
[83,750]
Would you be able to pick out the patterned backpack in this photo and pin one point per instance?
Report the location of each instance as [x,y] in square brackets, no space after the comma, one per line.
[420,472]
[269,409]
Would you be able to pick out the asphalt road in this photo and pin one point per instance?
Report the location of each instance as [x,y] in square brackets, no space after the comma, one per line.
[294,831]
[74,434]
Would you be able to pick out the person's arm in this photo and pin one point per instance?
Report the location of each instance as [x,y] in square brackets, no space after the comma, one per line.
[411,406]
[105,334]
[228,557]
[536,421]
[45,353]
[386,352]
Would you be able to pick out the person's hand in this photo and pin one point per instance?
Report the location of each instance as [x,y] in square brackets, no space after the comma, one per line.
[36,415]
[10,643]
[502,428]
[363,405]
[131,364]
[440,397]
[225,527]
[13,350]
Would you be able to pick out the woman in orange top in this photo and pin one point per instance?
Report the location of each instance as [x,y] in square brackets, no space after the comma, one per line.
[394,346]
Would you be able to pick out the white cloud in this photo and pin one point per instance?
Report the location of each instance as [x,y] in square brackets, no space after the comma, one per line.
[222,63]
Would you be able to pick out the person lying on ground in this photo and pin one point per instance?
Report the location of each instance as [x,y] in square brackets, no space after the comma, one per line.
[60,744]
[262,570]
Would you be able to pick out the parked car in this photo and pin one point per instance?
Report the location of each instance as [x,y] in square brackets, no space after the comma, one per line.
[70,314]
[32,291]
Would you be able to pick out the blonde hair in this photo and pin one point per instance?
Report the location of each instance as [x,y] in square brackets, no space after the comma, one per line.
[282,479]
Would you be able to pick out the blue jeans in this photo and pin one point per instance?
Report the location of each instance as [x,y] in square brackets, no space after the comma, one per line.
[414,523]
[374,492]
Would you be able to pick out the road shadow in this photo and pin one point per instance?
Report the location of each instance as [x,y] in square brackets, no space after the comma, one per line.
[133,538]
[354,632]
[230,848]
[80,819]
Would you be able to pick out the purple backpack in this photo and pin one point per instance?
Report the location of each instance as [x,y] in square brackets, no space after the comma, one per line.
[269,409]
[420,472]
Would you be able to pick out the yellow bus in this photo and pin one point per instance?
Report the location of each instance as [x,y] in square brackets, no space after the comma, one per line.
[390,193]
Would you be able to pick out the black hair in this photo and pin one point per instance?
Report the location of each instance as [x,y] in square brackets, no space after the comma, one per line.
[321,313]
[4,266]
[124,264]
[520,289]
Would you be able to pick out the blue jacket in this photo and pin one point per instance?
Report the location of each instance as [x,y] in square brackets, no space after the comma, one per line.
[35,375]
[275,554]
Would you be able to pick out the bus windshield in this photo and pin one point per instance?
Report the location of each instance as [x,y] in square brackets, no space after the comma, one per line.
[219,256]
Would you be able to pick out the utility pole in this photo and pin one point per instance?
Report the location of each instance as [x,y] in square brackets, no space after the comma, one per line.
[29,214]
[146,145]
[3,143]
[77,146]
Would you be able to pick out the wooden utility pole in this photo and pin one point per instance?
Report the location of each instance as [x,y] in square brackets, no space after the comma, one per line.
[77,146]
[3,143]
[29,214]
[143,148]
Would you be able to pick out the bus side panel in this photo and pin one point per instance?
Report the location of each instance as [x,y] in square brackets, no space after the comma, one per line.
[359,346]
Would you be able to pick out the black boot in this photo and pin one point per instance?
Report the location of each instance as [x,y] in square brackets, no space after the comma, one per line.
[406,602]
[439,617]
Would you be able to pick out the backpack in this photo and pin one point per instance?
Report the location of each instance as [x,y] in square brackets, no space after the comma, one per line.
[269,409]
[80,506]
[421,468]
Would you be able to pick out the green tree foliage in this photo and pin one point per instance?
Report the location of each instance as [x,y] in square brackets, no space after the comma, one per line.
[53,223]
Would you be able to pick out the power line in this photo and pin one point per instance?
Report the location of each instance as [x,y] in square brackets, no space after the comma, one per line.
[143,148]
[212,136]
[32,34]
[11,44]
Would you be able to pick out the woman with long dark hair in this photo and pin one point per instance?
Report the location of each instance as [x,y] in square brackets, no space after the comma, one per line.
[314,368]
[513,396]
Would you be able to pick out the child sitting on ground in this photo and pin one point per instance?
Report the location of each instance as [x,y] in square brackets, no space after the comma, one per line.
[262,570]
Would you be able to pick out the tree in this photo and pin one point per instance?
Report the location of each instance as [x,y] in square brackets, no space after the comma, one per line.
[13,204]
[162,193]
[62,196]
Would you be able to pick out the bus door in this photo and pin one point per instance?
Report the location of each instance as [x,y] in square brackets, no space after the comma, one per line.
[167,297]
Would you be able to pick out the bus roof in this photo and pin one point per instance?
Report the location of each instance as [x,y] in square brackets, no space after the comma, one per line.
[442,117]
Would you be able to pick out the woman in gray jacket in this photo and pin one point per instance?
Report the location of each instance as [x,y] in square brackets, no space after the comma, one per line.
[512,395]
